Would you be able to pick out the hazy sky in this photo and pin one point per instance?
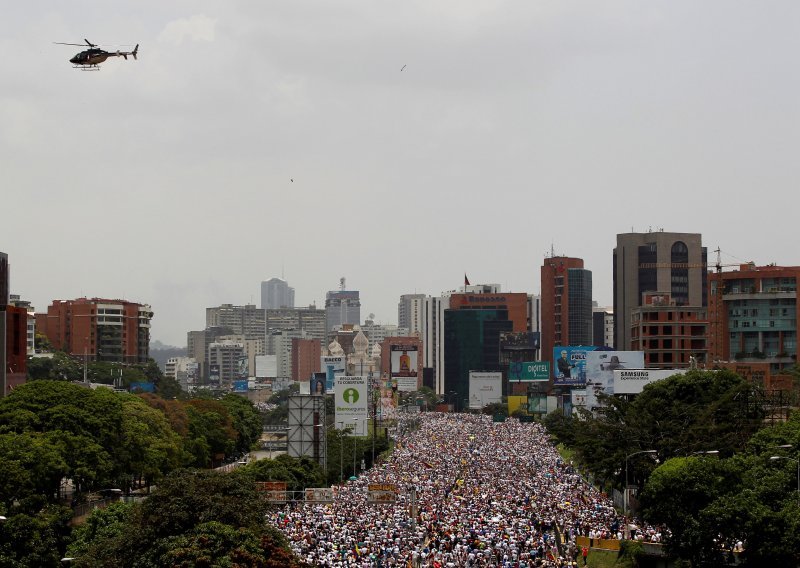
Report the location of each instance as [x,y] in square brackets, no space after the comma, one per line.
[515,125]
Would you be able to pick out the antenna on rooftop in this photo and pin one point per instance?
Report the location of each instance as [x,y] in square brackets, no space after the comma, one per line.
[342,285]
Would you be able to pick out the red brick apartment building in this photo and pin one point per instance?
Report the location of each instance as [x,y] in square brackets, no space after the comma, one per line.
[99,329]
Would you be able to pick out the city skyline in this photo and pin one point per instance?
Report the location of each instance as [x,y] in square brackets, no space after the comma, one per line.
[245,134]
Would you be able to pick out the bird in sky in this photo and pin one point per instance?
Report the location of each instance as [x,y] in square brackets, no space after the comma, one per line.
[403,67]
[291,180]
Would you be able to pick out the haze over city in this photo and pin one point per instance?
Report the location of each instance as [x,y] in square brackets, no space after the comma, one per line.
[424,141]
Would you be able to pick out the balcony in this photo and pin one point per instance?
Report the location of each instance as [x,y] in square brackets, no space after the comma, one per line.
[752,294]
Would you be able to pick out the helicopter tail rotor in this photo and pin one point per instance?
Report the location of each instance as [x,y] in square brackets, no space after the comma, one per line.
[135,51]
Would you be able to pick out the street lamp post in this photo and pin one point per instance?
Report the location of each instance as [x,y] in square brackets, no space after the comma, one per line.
[776,458]
[627,483]
[354,446]
[341,453]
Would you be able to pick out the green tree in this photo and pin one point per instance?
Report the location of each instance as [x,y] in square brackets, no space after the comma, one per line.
[246,421]
[193,518]
[30,464]
[35,534]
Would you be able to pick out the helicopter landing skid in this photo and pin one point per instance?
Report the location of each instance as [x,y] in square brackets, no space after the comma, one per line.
[87,67]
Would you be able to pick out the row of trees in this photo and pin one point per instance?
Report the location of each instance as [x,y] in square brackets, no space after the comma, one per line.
[56,436]
[193,518]
[709,501]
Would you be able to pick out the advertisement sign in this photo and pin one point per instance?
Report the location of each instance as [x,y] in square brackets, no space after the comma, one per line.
[381,493]
[537,404]
[351,398]
[517,402]
[403,367]
[318,384]
[332,366]
[632,381]
[143,387]
[241,367]
[192,372]
[319,495]
[529,371]
[387,406]
[578,397]
[213,375]
[272,491]
[569,365]
[519,341]
[600,367]
[484,388]
[240,386]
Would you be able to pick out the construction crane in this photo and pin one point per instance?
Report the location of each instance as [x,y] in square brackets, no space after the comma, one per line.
[720,305]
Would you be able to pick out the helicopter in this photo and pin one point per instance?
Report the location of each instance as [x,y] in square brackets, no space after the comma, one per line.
[90,59]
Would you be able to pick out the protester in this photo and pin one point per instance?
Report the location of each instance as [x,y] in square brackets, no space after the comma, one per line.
[488,494]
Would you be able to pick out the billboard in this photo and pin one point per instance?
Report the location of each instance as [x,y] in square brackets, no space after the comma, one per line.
[519,341]
[537,404]
[240,386]
[143,387]
[388,402]
[569,365]
[319,494]
[484,388]
[382,493]
[318,384]
[213,375]
[351,397]
[517,402]
[272,491]
[403,367]
[632,381]
[600,367]
[241,367]
[529,371]
[578,398]
[332,366]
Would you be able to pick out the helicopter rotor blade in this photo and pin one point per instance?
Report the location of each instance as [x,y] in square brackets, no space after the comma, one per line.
[62,43]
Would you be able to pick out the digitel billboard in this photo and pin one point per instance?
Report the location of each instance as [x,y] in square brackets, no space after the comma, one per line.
[529,371]
[569,365]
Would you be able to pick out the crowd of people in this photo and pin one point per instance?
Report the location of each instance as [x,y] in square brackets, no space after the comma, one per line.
[485,494]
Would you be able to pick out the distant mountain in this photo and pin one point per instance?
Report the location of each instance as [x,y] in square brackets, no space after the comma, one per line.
[160,352]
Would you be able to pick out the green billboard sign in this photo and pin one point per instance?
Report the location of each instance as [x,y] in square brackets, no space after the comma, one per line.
[529,371]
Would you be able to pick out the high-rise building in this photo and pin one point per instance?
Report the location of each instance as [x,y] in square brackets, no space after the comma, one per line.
[100,329]
[377,333]
[753,315]
[198,342]
[247,320]
[671,336]
[472,343]
[342,307]
[275,294]
[305,357]
[4,287]
[656,262]
[410,312]
[566,304]
[17,302]
[310,320]
[602,326]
